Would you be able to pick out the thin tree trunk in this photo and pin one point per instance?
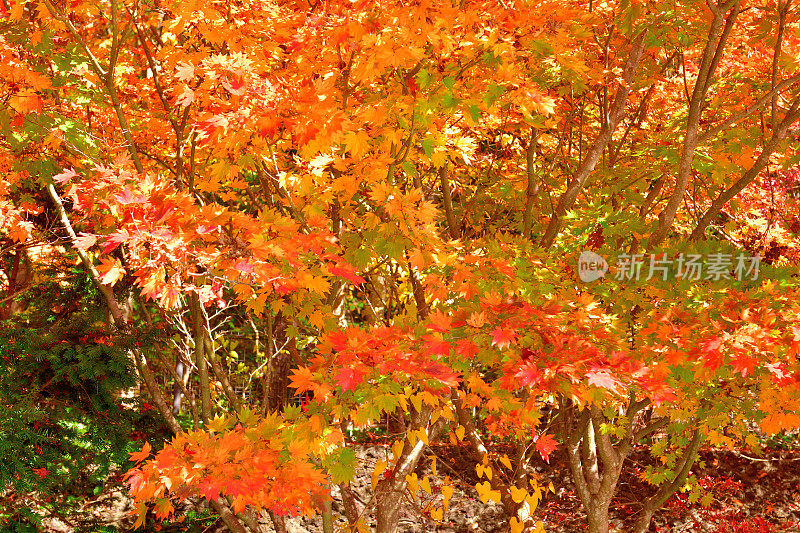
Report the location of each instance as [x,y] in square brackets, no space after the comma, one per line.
[595,151]
[279,367]
[177,390]
[718,35]
[278,522]
[327,518]
[233,523]
[532,190]
[199,333]
[447,200]
[653,503]
[221,375]
[389,491]
[351,510]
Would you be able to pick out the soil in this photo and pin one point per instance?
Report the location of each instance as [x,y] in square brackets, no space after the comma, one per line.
[749,495]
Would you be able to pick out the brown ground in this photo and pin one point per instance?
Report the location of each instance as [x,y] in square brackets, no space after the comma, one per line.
[750,495]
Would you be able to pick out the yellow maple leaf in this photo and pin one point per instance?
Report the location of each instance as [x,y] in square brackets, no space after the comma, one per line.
[111,270]
[447,493]
[380,467]
[413,484]
[425,484]
[315,284]
[439,158]
[397,449]
[533,499]
[518,495]
[357,143]
[486,493]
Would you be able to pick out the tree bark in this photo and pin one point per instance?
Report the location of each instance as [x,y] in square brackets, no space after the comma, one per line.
[177,391]
[532,189]
[278,381]
[199,334]
[595,463]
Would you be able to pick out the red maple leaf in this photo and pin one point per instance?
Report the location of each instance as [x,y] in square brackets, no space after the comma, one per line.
[442,373]
[526,354]
[467,348]
[503,337]
[744,364]
[349,378]
[348,274]
[545,444]
[115,239]
[602,379]
[712,345]
[440,322]
[209,489]
[436,346]
[528,374]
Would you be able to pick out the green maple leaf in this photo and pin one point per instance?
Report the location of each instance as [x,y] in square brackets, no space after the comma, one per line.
[386,402]
[247,417]
[218,424]
[341,465]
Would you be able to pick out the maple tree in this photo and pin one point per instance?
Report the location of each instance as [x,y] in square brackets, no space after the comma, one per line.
[381,205]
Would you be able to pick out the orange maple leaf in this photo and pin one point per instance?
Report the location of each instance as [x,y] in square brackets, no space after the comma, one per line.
[138,457]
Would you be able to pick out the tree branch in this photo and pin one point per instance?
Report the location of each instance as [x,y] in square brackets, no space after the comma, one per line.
[709,61]
[593,154]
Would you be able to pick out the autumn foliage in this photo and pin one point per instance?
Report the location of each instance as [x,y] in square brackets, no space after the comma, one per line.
[381,206]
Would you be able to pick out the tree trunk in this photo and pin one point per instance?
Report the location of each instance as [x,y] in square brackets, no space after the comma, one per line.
[390,491]
[351,511]
[278,381]
[598,519]
[177,392]
[19,277]
[199,334]
[278,523]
